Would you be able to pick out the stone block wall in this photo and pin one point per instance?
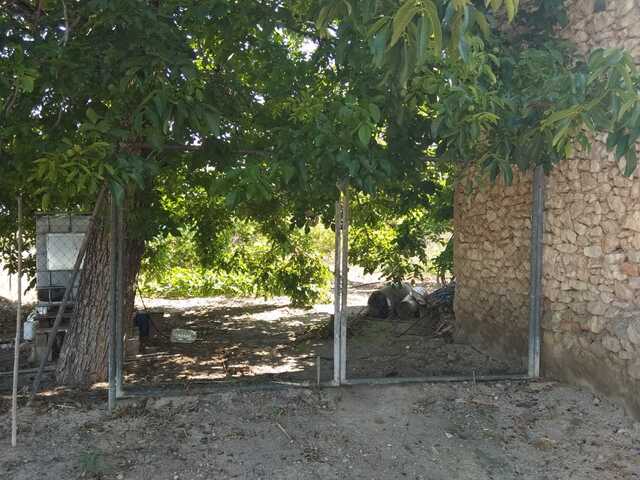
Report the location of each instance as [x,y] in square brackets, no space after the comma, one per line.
[615,26]
[591,284]
[491,248]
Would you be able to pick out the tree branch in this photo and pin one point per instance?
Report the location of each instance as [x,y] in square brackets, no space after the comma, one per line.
[184,148]
[66,23]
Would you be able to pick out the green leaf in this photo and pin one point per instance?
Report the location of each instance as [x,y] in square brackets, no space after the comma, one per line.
[507,171]
[379,46]
[512,8]
[486,69]
[401,20]
[374,110]
[46,201]
[212,120]
[622,147]
[424,32]
[631,161]
[460,4]
[27,83]
[231,199]
[377,26]
[612,139]
[92,115]
[288,172]
[364,134]
[463,48]
[160,102]
[430,10]
[495,4]
[323,18]
[348,6]
[481,22]
[613,56]
[561,115]
[560,137]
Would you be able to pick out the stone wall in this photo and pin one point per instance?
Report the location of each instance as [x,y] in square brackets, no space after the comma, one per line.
[591,326]
[591,285]
[491,248]
[617,26]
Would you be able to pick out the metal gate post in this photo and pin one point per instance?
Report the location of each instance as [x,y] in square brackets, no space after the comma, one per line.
[344,291]
[113,303]
[535,287]
[337,330]
[119,348]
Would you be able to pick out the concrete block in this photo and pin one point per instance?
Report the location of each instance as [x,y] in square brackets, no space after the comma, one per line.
[80,223]
[43,279]
[59,224]
[60,278]
[42,224]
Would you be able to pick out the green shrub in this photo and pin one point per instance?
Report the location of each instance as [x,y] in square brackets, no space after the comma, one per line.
[248,264]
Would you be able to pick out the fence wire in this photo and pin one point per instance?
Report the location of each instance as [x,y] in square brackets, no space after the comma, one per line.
[58,241]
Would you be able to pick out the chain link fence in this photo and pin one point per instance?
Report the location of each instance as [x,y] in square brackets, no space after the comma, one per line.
[58,241]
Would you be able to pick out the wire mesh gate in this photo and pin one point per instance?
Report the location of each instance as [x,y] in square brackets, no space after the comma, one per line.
[58,242]
[535,298]
[340,357]
[340,377]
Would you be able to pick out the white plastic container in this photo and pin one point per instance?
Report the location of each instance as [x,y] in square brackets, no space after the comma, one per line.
[29,328]
[181,335]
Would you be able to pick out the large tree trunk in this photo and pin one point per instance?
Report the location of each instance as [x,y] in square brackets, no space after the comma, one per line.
[84,356]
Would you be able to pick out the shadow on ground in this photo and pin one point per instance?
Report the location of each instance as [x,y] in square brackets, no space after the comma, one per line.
[254,341]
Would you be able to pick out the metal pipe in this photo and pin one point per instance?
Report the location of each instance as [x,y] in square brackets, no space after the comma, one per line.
[337,297]
[434,379]
[119,348]
[137,391]
[535,287]
[16,349]
[113,301]
[344,291]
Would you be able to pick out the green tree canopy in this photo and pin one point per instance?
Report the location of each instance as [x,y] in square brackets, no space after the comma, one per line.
[261,107]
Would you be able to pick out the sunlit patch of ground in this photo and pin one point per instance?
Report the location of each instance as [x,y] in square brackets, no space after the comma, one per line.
[245,339]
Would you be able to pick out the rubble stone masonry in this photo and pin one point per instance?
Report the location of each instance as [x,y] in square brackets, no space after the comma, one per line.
[591,283]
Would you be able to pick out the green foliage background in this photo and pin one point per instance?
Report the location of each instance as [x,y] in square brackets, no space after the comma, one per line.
[249,263]
[218,124]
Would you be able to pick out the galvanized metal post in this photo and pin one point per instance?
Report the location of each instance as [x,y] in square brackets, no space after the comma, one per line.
[16,345]
[337,344]
[119,348]
[535,288]
[344,291]
[113,304]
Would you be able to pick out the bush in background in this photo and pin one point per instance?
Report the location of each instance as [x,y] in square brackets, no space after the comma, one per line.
[247,263]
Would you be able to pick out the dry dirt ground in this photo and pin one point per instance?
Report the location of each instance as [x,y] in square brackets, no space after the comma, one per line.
[504,430]
[507,430]
[252,340]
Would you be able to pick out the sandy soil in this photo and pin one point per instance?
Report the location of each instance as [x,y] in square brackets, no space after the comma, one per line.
[444,431]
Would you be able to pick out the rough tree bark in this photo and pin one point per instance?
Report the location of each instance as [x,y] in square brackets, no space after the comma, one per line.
[84,356]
